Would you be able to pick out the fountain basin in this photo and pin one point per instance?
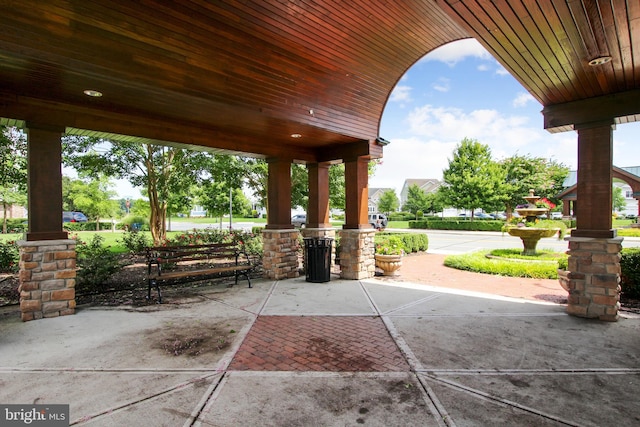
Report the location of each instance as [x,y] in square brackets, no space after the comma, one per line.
[530,236]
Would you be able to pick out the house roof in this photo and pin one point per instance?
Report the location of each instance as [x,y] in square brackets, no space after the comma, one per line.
[427,184]
[301,80]
[631,175]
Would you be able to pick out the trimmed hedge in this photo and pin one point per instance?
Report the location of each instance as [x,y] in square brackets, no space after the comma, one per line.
[630,272]
[411,242]
[458,224]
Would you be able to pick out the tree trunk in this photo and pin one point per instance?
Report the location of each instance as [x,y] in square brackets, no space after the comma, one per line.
[4,219]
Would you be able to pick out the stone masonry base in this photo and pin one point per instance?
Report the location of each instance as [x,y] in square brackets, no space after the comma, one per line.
[47,278]
[356,254]
[594,278]
[280,253]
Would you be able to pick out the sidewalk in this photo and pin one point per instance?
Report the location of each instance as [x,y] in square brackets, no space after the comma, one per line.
[375,352]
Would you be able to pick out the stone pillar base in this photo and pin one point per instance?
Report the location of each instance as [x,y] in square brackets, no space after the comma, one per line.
[594,278]
[280,253]
[357,254]
[47,278]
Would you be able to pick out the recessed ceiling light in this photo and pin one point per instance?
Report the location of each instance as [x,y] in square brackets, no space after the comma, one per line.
[296,135]
[93,93]
[600,60]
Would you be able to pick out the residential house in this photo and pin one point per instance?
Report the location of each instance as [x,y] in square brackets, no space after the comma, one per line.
[429,185]
[626,178]
[374,197]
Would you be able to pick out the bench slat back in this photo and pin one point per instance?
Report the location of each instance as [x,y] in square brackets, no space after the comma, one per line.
[172,254]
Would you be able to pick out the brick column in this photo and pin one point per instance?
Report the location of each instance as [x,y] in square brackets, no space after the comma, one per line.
[594,278]
[47,278]
[356,254]
[280,253]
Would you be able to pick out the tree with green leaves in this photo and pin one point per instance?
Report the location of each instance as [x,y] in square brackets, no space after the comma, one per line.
[523,173]
[473,180]
[417,200]
[13,170]
[92,197]
[164,171]
[618,202]
[388,202]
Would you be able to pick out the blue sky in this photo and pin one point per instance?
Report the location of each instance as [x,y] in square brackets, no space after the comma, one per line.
[459,90]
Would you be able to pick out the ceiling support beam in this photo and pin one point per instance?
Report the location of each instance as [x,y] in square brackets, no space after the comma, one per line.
[563,117]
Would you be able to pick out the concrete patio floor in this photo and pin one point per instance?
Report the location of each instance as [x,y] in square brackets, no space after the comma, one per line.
[343,353]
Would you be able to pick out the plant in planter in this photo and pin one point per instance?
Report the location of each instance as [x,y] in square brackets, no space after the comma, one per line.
[563,273]
[388,255]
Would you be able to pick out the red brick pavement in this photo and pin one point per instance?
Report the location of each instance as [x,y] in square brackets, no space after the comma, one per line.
[319,343]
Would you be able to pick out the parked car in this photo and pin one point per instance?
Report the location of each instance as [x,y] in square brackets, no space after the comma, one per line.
[378,221]
[482,215]
[478,215]
[299,220]
[556,215]
[74,217]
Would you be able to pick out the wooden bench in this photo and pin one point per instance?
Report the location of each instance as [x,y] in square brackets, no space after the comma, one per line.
[194,262]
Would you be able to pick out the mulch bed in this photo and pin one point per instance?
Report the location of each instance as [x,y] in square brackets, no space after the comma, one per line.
[128,287]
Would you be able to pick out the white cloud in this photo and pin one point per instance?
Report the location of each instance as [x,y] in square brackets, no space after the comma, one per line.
[522,99]
[455,52]
[501,71]
[483,67]
[408,158]
[442,85]
[435,132]
[400,94]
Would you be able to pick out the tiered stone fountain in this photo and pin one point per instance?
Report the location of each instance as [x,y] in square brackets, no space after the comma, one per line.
[529,235]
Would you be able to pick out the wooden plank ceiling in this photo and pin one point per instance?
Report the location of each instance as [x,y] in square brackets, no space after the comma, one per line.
[243,76]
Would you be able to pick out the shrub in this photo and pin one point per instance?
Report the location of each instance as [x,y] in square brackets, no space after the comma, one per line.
[410,242]
[17,225]
[142,223]
[96,263]
[251,241]
[135,241]
[9,256]
[630,272]
[455,224]
[479,263]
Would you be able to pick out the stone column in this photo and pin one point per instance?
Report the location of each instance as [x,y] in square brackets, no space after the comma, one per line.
[594,278]
[47,278]
[280,253]
[594,249]
[357,254]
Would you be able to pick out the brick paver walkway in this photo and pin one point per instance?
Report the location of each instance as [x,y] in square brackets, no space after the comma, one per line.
[319,343]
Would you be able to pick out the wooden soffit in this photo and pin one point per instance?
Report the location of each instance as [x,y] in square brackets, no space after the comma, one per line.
[244,76]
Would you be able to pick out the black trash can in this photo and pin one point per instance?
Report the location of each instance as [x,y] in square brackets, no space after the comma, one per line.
[317,258]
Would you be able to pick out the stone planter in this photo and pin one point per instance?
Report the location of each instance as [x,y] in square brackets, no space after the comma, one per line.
[389,264]
[563,278]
